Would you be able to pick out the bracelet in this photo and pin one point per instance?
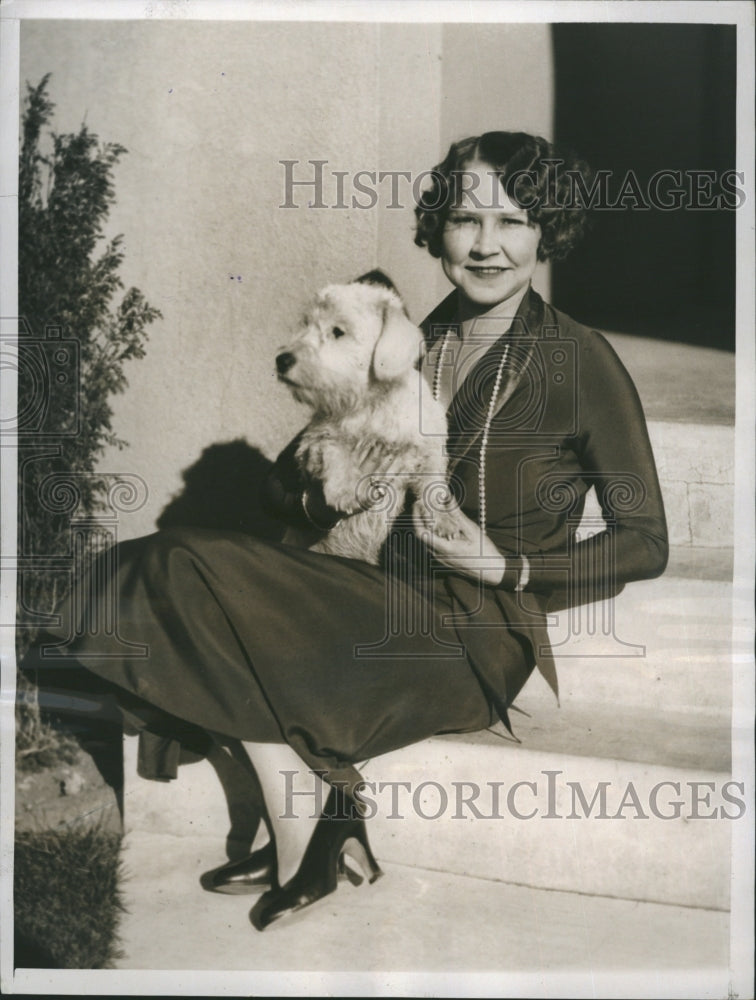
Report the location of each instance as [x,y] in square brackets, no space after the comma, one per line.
[516,573]
[313,522]
[511,578]
[524,574]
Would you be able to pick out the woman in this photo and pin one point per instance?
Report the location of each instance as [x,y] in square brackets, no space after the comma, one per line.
[296,653]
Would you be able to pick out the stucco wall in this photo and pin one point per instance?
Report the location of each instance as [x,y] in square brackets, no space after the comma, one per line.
[207,111]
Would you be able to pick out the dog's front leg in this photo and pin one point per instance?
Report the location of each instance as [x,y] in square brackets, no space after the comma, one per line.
[328,462]
[435,505]
[340,475]
[439,516]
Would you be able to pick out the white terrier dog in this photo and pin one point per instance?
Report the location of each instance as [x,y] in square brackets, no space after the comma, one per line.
[355,362]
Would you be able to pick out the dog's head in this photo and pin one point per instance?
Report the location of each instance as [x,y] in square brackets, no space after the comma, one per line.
[355,339]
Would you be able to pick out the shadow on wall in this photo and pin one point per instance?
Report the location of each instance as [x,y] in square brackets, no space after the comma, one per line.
[222,490]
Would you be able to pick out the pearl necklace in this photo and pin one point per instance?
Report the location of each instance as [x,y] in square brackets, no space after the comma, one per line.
[439,365]
[436,390]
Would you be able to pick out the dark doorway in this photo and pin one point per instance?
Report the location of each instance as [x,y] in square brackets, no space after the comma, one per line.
[647,98]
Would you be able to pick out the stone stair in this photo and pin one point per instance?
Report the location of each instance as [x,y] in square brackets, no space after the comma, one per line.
[585,884]
[688,395]
[660,714]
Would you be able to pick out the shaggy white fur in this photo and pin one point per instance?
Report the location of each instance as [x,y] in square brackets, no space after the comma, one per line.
[355,362]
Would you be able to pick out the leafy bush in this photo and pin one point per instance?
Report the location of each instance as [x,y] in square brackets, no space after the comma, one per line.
[75,337]
[66,297]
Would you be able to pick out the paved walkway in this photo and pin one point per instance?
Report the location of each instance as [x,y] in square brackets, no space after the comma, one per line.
[410,920]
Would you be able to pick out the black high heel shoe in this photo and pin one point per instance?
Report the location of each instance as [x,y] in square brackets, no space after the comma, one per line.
[337,833]
[255,873]
[251,874]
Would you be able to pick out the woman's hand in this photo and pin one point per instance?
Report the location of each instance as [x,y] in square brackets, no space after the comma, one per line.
[470,551]
[318,512]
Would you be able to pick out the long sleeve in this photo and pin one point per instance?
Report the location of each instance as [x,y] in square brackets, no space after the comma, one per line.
[283,487]
[615,456]
[283,491]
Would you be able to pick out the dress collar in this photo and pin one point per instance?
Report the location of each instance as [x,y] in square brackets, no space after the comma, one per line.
[527,320]
[467,415]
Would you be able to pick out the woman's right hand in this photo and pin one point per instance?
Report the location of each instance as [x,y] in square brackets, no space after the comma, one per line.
[317,511]
[469,551]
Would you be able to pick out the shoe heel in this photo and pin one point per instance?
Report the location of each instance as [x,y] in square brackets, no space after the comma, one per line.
[349,873]
[335,836]
[363,856]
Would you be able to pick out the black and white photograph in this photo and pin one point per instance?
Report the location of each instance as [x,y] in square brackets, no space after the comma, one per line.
[377,429]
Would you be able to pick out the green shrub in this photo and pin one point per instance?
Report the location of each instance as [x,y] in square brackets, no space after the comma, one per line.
[68,280]
[75,336]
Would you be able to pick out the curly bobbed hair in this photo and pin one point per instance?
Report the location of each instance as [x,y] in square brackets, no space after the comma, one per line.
[534,174]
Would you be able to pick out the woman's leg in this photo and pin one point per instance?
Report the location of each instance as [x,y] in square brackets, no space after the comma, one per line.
[294,799]
[302,858]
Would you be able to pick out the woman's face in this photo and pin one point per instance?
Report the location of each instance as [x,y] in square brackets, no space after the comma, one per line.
[489,247]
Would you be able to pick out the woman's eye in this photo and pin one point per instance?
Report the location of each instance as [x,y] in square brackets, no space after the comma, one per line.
[462,220]
[337,332]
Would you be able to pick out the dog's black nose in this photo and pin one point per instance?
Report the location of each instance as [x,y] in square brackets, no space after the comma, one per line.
[284,362]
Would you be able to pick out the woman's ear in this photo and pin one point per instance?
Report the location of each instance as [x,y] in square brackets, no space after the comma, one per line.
[398,347]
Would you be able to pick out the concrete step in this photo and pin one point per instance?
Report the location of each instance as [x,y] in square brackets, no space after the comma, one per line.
[661,645]
[700,562]
[691,423]
[696,466]
[485,937]
[643,703]
[688,739]
[679,383]
[482,809]
[699,513]
[454,804]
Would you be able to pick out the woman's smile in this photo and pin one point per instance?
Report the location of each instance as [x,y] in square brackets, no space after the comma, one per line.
[489,249]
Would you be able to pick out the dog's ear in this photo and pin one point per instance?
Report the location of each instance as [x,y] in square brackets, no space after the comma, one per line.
[398,347]
[376,277]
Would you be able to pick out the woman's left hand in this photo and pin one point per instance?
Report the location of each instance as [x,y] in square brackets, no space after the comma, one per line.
[470,551]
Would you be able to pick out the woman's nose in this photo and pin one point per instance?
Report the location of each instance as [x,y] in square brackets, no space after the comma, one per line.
[485,241]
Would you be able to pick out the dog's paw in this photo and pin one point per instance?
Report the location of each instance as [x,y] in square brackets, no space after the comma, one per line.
[311,458]
[447,525]
[341,495]
[445,522]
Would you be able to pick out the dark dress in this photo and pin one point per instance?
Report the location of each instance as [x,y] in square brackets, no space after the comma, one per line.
[344,661]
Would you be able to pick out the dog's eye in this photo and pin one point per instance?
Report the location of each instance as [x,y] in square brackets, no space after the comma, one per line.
[337,332]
